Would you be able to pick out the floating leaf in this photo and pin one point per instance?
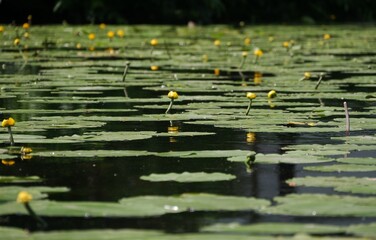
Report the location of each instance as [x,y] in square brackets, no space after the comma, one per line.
[15,179]
[342,168]
[188,177]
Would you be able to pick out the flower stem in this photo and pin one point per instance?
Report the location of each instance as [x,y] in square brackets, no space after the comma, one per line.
[347,118]
[170,106]
[41,223]
[319,81]
[249,107]
[126,67]
[11,139]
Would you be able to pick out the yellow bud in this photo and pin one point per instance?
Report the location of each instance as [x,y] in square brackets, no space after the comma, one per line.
[102,26]
[2,28]
[8,122]
[327,36]
[110,34]
[272,94]
[258,52]
[120,33]
[154,68]
[247,41]
[251,95]
[26,26]
[24,197]
[91,36]
[26,35]
[244,54]
[172,95]
[26,150]
[286,44]
[154,42]
[16,42]
[307,75]
[217,43]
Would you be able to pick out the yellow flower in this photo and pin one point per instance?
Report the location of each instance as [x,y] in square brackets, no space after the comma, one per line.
[173,129]
[91,36]
[8,122]
[251,95]
[244,53]
[120,33]
[286,44]
[327,36]
[154,68]
[78,45]
[26,150]
[247,41]
[26,35]
[2,28]
[172,95]
[24,197]
[217,72]
[110,34]
[258,52]
[26,26]
[102,26]
[272,94]
[154,42]
[16,42]
[217,43]
[307,75]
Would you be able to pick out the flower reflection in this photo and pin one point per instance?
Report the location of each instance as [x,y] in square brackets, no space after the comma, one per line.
[257,78]
[251,137]
[8,162]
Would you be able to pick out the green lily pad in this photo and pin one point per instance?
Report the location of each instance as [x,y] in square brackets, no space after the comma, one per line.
[188,177]
[363,230]
[322,205]
[366,161]
[9,193]
[340,184]
[292,157]
[274,228]
[206,154]
[91,153]
[15,179]
[108,136]
[342,168]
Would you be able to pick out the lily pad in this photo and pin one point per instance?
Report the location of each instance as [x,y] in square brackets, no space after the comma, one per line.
[274,228]
[109,136]
[91,153]
[188,177]
[322,205]
[366,161]
[340,184]
[342,168]
[363,230]
[15,179]
[206,154]
[289,157]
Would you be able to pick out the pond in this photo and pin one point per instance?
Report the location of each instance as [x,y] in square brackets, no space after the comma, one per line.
[102,158]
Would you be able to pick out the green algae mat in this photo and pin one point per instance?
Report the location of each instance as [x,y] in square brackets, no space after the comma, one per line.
[175,132]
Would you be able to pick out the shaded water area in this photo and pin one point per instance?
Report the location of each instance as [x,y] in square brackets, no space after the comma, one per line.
[110,158]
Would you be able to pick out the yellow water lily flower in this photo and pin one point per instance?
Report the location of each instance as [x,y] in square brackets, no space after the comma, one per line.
[272,94]
[217,72]
[244,54]
[8,122]
[258,52]
[154,42]
[286,44]
[26,26]
[217,43]
[91,36]
[251,95]
[120,33]
[154,68]
[24,197]
[247,41]
[2,29]
[327,36]
[16,42]
[173,95]
[110,34]
[26,150]
[102,26]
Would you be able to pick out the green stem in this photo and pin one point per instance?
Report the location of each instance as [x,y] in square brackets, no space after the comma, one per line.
[170,106]
[242,63]
[11,139]
[249,107]
[41,223]
[347,118]
[319,81]
[126,67]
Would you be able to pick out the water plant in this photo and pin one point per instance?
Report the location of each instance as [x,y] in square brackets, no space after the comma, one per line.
[25,198]
[347,116]
[8,123]
[250,96]
[258,53]
[172,95]
[321,76]
[306,76]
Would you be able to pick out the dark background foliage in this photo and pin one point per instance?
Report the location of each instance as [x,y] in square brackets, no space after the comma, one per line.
[180,11]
